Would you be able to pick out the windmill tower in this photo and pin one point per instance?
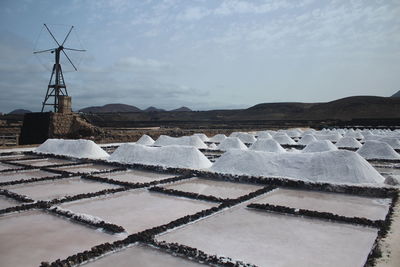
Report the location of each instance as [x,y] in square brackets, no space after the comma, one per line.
[57,88]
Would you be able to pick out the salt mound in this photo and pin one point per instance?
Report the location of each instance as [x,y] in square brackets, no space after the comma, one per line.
[348,142]
[307,139]
[284,139]
[231,143]
[294,132]
[391,141]
[377,150]
[168,156]
[193,141]
[319,146]
[267,145]
[244,137]
[264,135]
[145,140]
[333,137]
[212,146]
[202,136]
[333,166]
[218,138]
[72,148]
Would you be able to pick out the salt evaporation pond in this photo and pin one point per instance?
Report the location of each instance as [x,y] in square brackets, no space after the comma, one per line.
[16,157]
[30,237]
[7,202]
[215,188]
[136,176]
[25,175]
[47,190]
[138,210]
[270,239]
[86,168]
[44,162]
[340,204]
[141,255]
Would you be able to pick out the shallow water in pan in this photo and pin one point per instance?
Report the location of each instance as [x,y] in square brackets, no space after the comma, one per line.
[340,204]
[48,190]
[136,176]
[4,166]
[138,210]
[87,168]
[6,202]
[30,237]
[270,239]
[140,255]
[24,175]
[214,188]
[44,162]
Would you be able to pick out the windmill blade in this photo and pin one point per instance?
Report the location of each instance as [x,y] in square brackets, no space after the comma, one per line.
[73,49]
[66,37]
[69,60]
[51,34]
[42,51]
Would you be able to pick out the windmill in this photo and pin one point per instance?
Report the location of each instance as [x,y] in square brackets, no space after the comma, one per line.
[57,87]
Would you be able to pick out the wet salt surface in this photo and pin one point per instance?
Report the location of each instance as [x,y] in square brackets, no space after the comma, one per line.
[30,237]
[86,168]
[340,204]
[136,176]
[44,162]
[269,239]
[4,166]
[140,255]
[48,190]
[214,188]
[7,202]
[23,175]
[138,210]
[15,157]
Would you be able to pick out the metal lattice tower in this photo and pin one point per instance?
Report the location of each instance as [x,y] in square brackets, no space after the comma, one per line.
[57,87]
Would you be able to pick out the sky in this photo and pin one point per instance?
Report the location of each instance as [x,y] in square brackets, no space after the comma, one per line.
[203,54]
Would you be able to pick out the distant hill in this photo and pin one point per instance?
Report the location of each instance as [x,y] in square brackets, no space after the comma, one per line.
[154,109]
[396,94]
[111,108]
[20,111]
[181,109]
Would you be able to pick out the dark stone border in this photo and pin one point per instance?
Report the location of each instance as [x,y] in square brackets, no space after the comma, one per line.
[190,195]
[109,227]
[17,197]
[33,180]
[383,160]
[316,214]
[86,195]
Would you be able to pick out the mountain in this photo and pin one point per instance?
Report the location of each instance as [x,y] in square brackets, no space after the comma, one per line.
[154,109]
[111,108]
[20,111]
[396,94]
[181,109]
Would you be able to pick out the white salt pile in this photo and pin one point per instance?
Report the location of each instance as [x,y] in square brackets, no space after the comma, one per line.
[231,143]
[263,135]
[319,146]
[284,139]
[333,166]
[307,139]
[202,136]
[193,141]
[72,148]
[145,140]
[267,145]
[377,150]
[391,141]
[218,138]
[348,142]
[293,133]
[167,156]
[244,137]
[333,137]
[212,146]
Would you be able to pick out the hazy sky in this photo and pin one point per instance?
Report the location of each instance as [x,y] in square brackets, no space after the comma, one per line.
[203,54]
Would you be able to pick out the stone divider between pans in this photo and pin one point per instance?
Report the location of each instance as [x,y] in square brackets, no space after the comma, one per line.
[23,207]
[109,227]
[316,214]
[15,196]
[34,180]
[87,195]
[22,168]
[190,195]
